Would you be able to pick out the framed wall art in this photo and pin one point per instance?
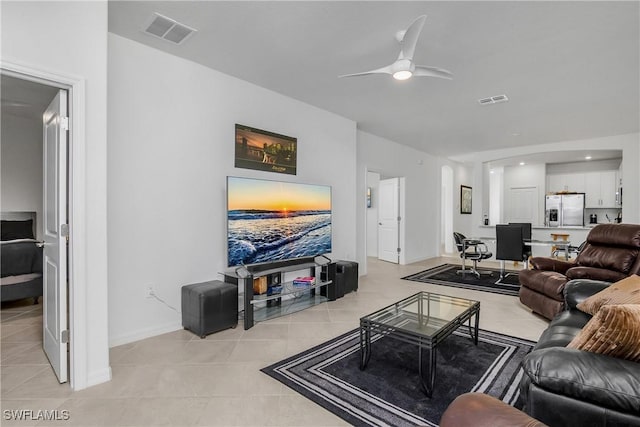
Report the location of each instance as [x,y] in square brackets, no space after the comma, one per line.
[465,199]
[266,151]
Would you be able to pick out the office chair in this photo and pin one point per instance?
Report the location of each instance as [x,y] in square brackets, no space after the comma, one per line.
[509,246]
[478,253]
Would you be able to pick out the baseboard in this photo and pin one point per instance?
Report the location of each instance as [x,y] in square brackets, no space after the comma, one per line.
[420,259]
[144,333]
[99,377]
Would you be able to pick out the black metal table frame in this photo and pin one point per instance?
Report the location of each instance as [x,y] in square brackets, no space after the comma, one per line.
[428,343]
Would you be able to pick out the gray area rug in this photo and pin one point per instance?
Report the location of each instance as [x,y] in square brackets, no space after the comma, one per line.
[388,391]
[446,275]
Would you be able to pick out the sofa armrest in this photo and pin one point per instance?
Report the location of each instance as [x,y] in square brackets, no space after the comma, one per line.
[551,264]
[589,377]
[578,290]
[482,410]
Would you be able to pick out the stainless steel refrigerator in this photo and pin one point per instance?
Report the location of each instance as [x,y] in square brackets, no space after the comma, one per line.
[564,210]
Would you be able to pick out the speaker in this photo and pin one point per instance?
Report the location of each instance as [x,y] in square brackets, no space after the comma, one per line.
[346,276]
[331,291]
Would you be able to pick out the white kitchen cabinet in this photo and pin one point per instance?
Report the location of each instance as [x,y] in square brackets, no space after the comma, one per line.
[566,182]
[600,189]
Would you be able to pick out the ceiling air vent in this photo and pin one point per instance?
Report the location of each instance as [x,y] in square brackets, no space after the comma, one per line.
[168,29]
[493,100]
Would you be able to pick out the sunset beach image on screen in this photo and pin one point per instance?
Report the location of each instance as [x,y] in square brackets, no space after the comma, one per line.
[274,220]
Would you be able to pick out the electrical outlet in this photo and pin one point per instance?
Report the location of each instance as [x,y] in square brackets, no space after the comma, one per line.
[150,292]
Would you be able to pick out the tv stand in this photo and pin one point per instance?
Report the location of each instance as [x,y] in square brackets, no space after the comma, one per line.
[282,297]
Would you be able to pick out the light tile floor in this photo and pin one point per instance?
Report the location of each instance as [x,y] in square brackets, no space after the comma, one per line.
[178,379]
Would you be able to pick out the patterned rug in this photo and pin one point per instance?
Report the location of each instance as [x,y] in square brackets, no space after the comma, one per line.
[388,391]
[446,275]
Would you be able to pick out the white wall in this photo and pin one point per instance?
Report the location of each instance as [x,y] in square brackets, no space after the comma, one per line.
[373,179]
[171,147]
[21,169]
[462,175]
[70,38]
[422,192]
[463,223]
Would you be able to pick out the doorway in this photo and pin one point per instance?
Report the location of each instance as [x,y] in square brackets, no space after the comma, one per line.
[34,181]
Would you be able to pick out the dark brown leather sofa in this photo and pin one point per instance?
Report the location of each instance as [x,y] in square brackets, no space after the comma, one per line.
[482,410]
[612,252]
[567,387]
[560,386]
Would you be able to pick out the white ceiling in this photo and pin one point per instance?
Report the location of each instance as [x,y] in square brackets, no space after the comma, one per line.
[23,98]
[570,69]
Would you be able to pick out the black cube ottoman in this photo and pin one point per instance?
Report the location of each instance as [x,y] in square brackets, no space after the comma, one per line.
[209,307]
[347,276]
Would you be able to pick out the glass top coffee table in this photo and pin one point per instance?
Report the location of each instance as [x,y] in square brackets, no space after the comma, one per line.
[424,319]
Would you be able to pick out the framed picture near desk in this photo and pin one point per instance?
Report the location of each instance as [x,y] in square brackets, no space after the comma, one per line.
[465,199]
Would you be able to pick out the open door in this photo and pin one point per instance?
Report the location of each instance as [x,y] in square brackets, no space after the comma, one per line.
[56,231]
[389,220]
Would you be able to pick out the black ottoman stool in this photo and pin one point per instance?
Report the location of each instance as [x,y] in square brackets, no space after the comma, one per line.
[209,307]
[347,275]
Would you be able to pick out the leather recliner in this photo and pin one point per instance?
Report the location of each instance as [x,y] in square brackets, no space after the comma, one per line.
[611,253]
[567,387]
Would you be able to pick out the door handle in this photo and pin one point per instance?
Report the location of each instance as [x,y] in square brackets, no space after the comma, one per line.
[379,223]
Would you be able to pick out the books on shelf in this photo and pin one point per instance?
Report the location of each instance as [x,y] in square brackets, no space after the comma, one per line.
[304,282]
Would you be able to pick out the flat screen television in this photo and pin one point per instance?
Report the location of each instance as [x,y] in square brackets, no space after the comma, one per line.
[275,221]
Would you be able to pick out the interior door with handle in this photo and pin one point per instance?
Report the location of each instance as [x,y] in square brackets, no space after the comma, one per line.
[389,220]
[55,142]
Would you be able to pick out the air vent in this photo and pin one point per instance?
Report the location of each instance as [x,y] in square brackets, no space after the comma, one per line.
[493,100]
[168,29]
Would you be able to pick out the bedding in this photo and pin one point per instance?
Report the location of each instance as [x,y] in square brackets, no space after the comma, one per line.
[20,257]
[12,230]
[20,261]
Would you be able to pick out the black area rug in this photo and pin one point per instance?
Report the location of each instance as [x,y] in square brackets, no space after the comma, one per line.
[446,275]
[388,391]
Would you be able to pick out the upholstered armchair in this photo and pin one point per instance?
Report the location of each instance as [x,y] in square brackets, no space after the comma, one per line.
[612,252]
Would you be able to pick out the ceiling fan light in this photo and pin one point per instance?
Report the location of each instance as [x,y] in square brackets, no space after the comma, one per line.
[402,75]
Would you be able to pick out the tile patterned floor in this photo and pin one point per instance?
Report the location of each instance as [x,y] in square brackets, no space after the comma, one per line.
[177,379]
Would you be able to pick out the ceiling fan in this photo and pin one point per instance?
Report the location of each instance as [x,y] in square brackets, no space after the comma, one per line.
[404,68]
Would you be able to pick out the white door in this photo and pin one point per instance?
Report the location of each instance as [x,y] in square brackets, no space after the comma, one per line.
[54,320]
[389,220]
[523,205]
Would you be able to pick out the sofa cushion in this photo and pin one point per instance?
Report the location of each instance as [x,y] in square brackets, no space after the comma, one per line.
[594,274]
[613,331]
[571,318]
[625,291]
[619,259]
[608,382]
[615,235]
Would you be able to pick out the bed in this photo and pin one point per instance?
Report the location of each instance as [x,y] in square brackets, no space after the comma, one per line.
[21,257]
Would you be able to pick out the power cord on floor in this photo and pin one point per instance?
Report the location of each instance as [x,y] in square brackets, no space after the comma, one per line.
[153,295]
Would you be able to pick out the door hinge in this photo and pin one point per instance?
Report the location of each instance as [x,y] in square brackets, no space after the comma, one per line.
[398,250]
[64,230]
[64,336]
[64,123]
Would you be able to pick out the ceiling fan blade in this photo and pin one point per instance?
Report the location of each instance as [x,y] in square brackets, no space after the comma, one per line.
[410,38]
[383,70]
[422,71]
